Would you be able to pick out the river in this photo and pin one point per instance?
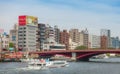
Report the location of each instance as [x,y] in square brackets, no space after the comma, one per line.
[112,66]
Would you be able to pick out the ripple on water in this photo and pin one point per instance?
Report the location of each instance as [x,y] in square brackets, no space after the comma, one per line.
[73,68]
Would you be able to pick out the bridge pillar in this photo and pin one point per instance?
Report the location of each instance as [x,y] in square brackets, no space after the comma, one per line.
[73,56]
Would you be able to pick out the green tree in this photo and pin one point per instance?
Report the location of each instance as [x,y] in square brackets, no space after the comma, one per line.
[11,45]
[81,47]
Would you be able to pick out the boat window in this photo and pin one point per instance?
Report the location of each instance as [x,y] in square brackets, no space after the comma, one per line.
[59,63]
[39,64]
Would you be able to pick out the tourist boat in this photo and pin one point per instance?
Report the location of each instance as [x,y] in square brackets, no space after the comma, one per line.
[37,64]
[54,64]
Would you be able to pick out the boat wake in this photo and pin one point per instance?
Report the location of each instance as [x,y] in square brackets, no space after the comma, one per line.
[6,71]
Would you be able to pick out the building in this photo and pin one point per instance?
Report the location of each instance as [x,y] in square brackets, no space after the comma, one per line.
[57,34]
[51,35]
[41,34]
[94,41]
[50,38]
[115,42]
[27,33]
[72,45]
[84,38]
[48,35]
[75,35]
[14,36]
[1,32]
[107,33]
[64,38]
[5,41]
[104,42]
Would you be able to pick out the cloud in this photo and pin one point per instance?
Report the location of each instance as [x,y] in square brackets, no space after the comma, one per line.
[66,14]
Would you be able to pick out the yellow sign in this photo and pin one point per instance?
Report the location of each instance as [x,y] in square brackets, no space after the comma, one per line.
[31,20]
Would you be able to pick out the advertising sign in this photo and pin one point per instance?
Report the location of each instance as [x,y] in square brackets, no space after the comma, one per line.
[22,20]
[11,49]
[28,20]
[32,20]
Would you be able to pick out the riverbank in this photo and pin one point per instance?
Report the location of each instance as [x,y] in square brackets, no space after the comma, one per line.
[107,60]
[10,60]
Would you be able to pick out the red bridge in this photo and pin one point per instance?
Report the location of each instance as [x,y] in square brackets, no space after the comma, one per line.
[78,54]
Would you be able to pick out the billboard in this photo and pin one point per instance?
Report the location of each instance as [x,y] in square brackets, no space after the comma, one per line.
[22,20]
[31,20]
[28,20]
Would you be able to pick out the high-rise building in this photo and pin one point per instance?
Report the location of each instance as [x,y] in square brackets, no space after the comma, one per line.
[51,34]
[46,35]
[27,33]
[41,34]
[104,42]
[14,36]
[75,35]
[94,41]
[107,33]
[64,38]
[84,38]
[57,34]
[115,42]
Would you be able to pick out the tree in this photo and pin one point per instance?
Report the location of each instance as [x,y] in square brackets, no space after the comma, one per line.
[81,47]
[11,45]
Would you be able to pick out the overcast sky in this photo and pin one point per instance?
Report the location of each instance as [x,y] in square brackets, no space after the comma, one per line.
[67,14]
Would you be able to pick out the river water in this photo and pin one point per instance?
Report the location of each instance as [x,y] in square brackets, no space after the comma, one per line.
[112,66]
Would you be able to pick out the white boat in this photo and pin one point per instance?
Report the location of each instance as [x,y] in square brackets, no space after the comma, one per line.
[42,64]
[25,60]
[54,64]
[37,64]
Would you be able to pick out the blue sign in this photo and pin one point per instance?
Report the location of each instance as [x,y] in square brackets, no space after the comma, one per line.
[11,49]
[5,34]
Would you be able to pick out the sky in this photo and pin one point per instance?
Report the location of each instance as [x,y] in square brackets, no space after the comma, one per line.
[66,14]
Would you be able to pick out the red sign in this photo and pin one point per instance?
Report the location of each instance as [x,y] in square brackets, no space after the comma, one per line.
[22,20]
[27,20]
[1,30]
